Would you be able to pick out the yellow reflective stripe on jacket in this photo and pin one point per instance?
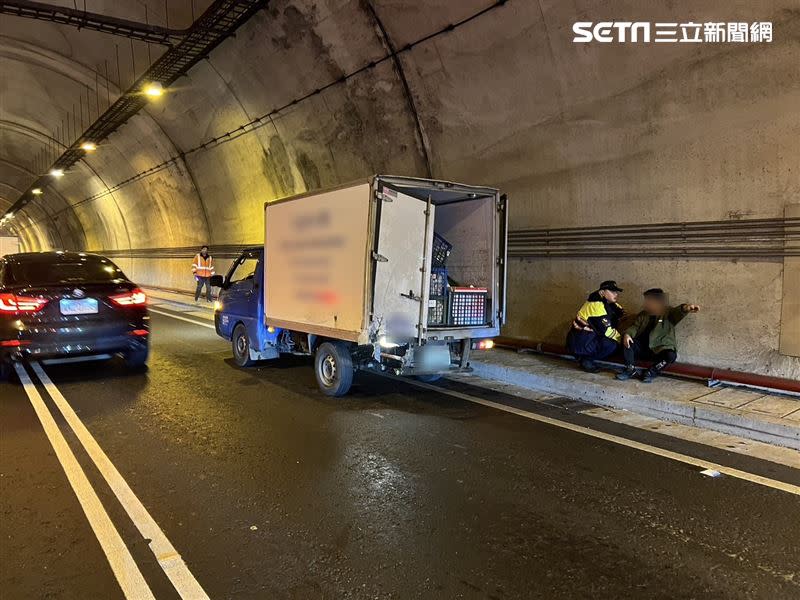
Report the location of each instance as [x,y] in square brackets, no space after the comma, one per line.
[593,312]
[592,309]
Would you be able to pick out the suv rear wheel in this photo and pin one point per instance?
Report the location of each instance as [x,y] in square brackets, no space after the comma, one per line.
[136,358]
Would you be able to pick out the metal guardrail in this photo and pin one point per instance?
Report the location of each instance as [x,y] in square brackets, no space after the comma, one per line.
[747,238]
[181,252]
[752,238]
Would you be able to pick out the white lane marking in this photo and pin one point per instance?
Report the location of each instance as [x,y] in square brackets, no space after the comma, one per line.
[192,321]
[752,477]
[169,559]
[125,570]
[691,460]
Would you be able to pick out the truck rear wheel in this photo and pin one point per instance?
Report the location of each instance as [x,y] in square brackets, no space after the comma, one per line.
[333,367]
[240,345]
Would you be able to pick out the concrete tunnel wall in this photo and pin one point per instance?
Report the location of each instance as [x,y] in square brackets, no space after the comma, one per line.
[576,134]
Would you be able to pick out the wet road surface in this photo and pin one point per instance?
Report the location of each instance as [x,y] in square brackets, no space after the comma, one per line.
[268,489]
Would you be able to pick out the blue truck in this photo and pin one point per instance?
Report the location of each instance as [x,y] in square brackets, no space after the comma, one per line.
[391,274]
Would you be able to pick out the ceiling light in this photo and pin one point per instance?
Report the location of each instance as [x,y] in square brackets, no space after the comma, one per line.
[36,191]
[57,172]
[153,89]
[88,146]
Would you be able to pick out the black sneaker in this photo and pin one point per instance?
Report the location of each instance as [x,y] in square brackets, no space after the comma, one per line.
[648,376]
[626,373]
[589,366]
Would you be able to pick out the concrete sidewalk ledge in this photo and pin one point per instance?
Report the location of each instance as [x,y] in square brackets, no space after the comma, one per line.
[755,415]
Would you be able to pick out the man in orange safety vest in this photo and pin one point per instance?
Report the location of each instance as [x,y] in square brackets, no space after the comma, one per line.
[203,269]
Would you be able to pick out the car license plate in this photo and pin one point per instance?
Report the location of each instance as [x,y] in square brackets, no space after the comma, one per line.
[84,306]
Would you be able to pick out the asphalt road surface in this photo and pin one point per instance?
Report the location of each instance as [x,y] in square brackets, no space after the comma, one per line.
[197,478]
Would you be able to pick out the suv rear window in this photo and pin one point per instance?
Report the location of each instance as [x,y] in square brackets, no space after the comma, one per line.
[60,269]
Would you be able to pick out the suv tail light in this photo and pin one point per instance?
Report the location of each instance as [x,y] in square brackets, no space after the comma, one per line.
[133,298]
[13,304]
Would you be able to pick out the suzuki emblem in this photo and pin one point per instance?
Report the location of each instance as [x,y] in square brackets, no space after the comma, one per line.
[78,293]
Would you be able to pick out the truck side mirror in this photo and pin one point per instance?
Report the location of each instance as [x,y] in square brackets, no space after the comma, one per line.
[217,281]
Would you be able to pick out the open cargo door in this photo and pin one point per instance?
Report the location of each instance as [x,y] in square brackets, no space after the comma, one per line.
[502,259]
[402,264]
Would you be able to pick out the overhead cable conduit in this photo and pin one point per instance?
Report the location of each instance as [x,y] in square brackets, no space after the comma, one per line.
[81,19]
[264,119]
[217,23]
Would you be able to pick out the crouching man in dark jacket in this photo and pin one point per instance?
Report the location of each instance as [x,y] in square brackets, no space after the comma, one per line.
[652,335]
[594,335]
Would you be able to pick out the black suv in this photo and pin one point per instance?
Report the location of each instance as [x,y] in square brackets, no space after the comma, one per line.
[69,304]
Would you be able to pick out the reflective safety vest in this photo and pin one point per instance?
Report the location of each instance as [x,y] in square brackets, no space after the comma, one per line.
[203,267]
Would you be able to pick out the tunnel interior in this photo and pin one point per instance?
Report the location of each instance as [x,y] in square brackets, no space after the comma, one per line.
[501,299]
[308,95]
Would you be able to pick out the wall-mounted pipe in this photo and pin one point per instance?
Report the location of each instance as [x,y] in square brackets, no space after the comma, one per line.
[710,374]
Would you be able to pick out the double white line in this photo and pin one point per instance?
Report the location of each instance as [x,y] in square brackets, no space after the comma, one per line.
[125,569]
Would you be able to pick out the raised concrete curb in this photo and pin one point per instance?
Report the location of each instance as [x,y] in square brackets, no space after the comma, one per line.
[653,401]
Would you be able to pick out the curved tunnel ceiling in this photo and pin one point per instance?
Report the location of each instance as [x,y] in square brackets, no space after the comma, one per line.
[528,110]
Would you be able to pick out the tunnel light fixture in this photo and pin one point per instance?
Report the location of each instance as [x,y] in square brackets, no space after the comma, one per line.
[88,146]
[57,172]
[153,89]
[36,191]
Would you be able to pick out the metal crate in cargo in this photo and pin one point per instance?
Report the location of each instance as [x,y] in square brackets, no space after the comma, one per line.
[468,306]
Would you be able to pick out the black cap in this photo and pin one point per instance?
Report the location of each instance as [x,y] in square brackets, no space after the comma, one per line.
[655,293]
[610,285]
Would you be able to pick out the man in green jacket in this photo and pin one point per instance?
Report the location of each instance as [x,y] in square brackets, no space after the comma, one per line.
[652,335]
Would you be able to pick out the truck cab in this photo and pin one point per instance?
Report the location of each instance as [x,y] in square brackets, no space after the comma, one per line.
[239,310]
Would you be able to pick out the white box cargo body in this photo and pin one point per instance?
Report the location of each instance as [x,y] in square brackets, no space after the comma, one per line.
[8,245]
[354,264]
